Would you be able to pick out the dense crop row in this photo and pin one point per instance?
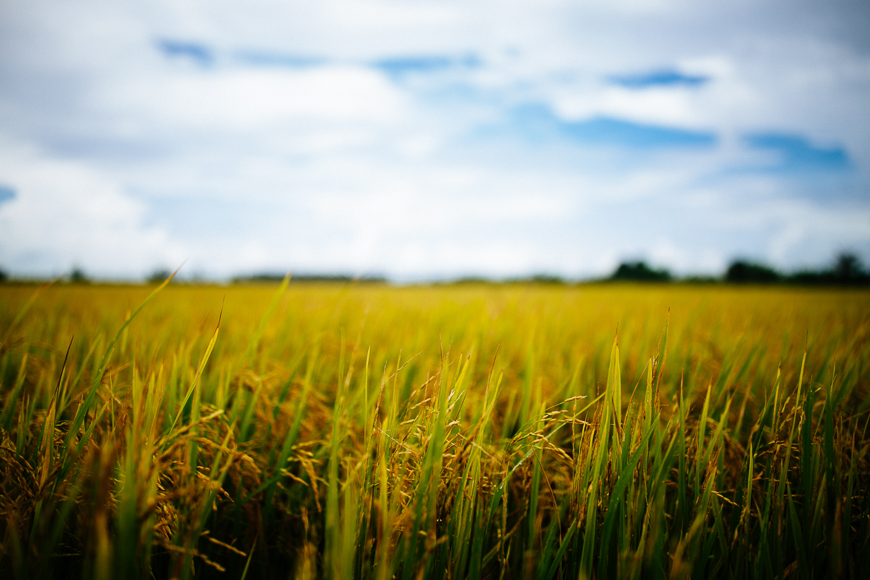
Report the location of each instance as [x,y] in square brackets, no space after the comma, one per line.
[456,432]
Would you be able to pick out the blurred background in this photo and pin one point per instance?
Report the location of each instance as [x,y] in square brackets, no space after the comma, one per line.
[432,140]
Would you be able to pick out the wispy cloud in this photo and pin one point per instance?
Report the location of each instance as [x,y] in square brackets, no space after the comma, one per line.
[278,59]
[659,78]
[538,124]
[796,154]
[196,52]
[618,132]
[400,66]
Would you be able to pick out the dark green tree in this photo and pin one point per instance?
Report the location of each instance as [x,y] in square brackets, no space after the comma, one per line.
[639,271]
[849,270]
[743,272]
[78,276]
[158,276]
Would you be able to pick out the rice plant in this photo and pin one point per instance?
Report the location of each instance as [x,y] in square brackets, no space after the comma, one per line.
[516,431]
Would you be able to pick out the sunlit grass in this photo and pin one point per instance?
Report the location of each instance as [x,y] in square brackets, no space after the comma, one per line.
[463,432]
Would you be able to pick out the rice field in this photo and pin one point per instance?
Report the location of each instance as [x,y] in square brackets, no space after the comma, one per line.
[472,431]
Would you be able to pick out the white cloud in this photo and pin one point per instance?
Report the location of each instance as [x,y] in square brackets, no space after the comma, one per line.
[663,106]
[340,166]
[247,100]
[66,214]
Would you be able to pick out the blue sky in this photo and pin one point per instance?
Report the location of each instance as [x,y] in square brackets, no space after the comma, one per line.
[431,139]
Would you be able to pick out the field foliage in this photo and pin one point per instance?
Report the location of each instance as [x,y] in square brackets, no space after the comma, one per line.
[516,431]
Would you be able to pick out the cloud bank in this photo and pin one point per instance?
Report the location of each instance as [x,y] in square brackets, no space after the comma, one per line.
[431,139]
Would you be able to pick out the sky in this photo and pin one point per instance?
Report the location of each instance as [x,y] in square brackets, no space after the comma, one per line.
[427,140]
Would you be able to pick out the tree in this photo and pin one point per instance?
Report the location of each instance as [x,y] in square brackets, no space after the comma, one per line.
[158,276]
[639,272]
[78,276]
[742,272]
[848,269]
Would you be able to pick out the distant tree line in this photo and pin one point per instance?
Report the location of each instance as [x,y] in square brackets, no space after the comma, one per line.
[269,277]
[846,270]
